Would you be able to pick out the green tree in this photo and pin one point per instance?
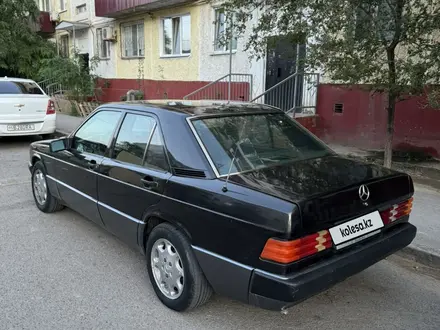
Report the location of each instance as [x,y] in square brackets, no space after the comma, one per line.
[72,73]
[393,46]
[21,48]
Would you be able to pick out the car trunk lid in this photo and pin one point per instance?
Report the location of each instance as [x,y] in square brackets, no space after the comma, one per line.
[23,107]
[22,100]
[327,189]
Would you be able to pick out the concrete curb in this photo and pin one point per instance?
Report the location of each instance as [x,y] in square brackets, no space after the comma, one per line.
[418,255]
[59,133]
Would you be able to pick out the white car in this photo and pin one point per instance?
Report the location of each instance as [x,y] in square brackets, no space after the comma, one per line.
[25,109]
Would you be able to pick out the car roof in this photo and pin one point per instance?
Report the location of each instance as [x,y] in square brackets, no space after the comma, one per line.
[16,79]
[196,108]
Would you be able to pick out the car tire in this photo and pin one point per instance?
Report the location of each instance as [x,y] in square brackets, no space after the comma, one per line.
[40,190]
[195,289]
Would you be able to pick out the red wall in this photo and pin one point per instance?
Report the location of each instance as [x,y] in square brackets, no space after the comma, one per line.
[363,121]
[110,8]
[310,122]
[165,89]
[105,7]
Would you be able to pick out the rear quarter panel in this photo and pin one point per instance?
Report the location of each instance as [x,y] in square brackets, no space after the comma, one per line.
[234,224]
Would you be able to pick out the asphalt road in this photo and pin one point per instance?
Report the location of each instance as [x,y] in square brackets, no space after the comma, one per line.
[60,271]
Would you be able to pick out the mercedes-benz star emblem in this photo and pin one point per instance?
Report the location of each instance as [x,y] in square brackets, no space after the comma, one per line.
[364,193]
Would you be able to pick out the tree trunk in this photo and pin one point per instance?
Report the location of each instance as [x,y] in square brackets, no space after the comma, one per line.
[392,96]
[390,130]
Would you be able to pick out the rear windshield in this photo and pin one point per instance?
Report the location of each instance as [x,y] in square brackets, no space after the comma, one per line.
[248,142]
[19,87]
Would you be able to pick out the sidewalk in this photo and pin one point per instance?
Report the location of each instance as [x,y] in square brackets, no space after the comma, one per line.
[427,172]
[425,215]
[66,123]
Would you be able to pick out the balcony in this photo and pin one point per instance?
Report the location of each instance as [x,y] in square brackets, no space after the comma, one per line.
[43,25]
[119,8]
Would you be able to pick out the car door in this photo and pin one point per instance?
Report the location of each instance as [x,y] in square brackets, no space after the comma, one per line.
[76,172]
[133,178]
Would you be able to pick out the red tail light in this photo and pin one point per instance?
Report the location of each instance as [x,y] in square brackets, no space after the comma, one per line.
[397,211]
[50,108]
[289,251]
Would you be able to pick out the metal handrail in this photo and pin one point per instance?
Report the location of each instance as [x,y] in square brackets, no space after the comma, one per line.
[42,81]
[186,97]
[204,87]
[297,92]
[278,84]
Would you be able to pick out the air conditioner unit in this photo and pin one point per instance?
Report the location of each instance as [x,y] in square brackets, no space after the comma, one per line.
[54,16]
[108,34]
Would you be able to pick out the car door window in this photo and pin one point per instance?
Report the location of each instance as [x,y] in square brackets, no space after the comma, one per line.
[133,138]
[95,135]
[155,156]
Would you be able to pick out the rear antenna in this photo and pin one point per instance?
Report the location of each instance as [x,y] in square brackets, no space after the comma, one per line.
[225,186]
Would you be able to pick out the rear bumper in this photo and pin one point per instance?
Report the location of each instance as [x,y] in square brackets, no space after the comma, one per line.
[274,292]
[45,126]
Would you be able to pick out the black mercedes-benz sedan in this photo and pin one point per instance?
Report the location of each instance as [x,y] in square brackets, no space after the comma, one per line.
[233,198]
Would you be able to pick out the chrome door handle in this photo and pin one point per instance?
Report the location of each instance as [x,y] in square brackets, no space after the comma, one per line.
[149,184]
[18,105]
[92,164]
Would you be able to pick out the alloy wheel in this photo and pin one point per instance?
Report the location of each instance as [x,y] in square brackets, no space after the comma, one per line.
[40,187]
[167,268]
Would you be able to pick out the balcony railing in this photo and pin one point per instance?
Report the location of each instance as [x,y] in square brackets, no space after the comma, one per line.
[117,8]
[43,24]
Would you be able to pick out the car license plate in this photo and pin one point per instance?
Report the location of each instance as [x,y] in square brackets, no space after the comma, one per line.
[21,127]
[356,228]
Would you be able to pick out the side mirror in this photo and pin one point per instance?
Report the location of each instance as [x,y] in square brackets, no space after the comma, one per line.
[59,145]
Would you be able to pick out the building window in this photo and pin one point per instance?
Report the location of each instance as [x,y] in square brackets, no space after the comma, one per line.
[221,26]
[176,35]
[81,9]
[62,5]
[102,45]
[44,5]
[64,46]
[133,44]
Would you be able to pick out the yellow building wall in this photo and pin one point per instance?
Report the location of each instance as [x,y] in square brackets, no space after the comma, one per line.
[130,68]
[155,67]
[65,15]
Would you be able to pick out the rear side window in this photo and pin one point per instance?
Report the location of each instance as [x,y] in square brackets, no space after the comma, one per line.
[19,87]
[133,138]
[155,157]
[139,142]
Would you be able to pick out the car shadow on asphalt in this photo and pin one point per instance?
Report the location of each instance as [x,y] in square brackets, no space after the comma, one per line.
[17,141]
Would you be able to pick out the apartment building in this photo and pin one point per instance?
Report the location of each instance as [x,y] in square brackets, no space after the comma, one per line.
[172,47]
[167,49]
[73,25]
